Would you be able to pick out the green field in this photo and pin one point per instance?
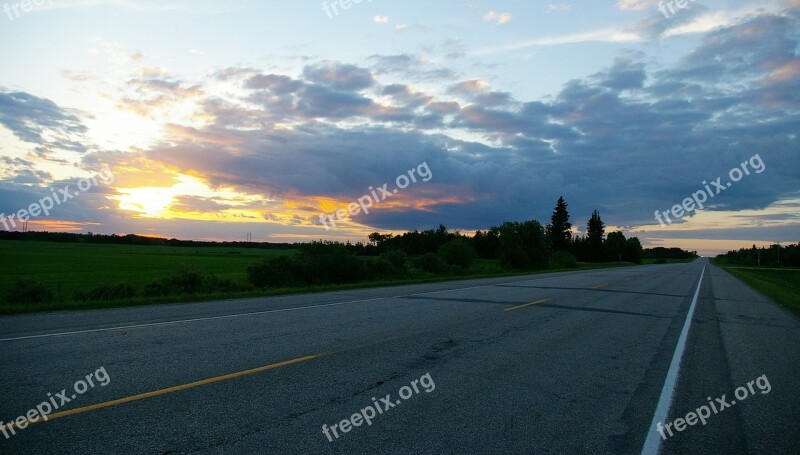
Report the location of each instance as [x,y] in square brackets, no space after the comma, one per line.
[782,286]
[70,267]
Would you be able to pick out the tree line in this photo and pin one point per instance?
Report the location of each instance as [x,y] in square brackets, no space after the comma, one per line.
[520,244]
[772,256]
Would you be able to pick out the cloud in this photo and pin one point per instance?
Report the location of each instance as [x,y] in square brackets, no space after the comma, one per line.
[609,35]
[498,18]
[635,5]
[30,117]
[562,7]
[380,19]
[339,76]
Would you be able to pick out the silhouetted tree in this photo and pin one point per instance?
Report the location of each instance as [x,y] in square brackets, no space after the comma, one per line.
[559,228]
[632,251]
[524,244]
[615,245]
[487,244]
[595,229]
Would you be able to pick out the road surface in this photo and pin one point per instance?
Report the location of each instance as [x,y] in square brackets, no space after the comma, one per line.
[577,362]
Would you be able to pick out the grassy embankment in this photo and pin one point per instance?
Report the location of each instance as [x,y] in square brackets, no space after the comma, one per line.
[781,286]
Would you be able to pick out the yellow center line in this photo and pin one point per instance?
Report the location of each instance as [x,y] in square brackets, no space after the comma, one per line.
[165,391]
[600,286]
[525,304]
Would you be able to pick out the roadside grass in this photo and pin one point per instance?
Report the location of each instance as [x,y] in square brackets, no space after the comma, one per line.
[782,286]
[67,268]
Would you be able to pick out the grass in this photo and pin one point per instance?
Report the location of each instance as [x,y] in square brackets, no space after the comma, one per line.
[782,286]
[69,267]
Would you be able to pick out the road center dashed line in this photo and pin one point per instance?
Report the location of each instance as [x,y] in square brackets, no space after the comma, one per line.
[155,393]
[525,304]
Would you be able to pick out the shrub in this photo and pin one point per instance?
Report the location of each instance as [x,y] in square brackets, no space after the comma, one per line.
[429,262]
[27,291]
[563,260]
[216,284]
[397,258]
[188,279]
[158,289]
[382,268]
[514,257]
[276,272]
[457,252]
[329,262]
[107,292]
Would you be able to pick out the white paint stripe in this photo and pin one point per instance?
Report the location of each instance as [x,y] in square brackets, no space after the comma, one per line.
[652,443]
[237,315]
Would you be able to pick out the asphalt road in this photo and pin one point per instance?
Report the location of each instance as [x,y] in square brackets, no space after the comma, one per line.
[560,363]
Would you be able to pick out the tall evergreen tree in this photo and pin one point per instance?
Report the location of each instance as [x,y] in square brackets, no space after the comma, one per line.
[595,229]
[559,229]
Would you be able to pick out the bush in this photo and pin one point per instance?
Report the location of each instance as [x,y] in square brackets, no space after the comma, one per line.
[275,272]
[396,257]
[186,280]
[382,268]
[514,257]
[563,260]
[223,285]
[317,263]
[458,252]
[107,292]
[329,262]
[27,291]
[429,262]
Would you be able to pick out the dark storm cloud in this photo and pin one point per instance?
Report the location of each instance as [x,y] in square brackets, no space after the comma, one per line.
[28,116]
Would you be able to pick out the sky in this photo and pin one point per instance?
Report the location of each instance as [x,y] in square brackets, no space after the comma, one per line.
[211,120]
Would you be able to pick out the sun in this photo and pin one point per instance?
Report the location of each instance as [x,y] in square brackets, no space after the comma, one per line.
[150,202]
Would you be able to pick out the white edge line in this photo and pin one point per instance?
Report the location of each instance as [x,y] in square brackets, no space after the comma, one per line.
[236,315]
[652,443]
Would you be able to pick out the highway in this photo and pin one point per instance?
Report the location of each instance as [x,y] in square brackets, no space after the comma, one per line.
[573,362]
